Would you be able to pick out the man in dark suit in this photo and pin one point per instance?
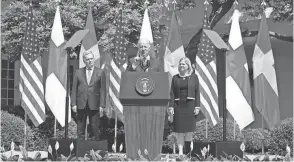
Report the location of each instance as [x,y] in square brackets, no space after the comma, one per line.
[88,95]
[144,62]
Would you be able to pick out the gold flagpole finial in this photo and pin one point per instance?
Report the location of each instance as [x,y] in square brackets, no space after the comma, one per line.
[91,3]
[236,3]
[146,3]
[263,3]
[206,2]
[174,2]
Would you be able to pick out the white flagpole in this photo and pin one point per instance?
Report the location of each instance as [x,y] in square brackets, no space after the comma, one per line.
[115,132]
[86,128]
[206,129]
[234,129]
[25,130]
[55,125]
[262,127]
[263,4]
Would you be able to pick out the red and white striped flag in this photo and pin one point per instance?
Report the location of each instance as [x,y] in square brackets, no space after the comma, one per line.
[174,48]
[207,75]
[238,90]
[264,75]
[31,75]
[117,66]
[56,81]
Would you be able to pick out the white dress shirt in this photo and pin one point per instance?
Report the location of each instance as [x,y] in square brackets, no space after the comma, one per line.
[89,72]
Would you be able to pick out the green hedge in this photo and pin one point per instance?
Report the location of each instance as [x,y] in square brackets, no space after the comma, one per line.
[42,136]
[253,139]
[215,133]
[281,136]
[12,129]
[167,145]
[72,130]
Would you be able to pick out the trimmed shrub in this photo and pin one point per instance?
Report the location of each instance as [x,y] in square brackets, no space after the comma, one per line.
[253,139]
[43,132]
[72,130]
[281,136]
[107,132]
[42,135]
[215,133]
[167,144]
[12,129]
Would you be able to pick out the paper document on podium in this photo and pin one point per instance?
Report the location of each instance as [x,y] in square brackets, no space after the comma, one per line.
[216,39]
[76,38]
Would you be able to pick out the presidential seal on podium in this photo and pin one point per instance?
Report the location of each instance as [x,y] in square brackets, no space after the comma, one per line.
[145,85]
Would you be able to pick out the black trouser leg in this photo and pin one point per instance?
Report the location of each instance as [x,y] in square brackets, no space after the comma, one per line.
[94,122]
[81,123]
[187,147]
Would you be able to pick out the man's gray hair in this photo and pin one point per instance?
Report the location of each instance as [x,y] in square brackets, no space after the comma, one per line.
[87,53]
[144,41]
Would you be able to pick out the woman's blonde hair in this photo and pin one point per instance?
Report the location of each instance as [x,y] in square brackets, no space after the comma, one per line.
[188,62]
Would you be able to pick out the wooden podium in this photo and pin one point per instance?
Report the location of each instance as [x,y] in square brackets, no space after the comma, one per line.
[144,96]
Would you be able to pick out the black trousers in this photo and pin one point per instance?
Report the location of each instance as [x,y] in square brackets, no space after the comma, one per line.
[94,121]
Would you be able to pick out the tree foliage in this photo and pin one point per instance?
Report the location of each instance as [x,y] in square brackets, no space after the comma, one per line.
[282,9]
[105,12]
[73,15]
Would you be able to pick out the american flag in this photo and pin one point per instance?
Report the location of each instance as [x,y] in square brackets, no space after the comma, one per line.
[31,75]
[117,66]
[206,72]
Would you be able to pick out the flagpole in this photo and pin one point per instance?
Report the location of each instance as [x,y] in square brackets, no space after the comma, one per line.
[55,125]
[26,115]
[262,127]
[206,129]
[235,6]
[263,4]
[115,133]
[67,93]
[234,129]
[25,130]
[174,2]
[86,128]
[221,79]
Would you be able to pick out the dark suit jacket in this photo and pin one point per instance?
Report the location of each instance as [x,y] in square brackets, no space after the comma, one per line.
[154,65]
[193,89]
[94,93]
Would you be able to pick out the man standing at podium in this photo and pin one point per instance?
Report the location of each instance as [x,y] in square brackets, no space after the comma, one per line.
[144,62]
[88,95]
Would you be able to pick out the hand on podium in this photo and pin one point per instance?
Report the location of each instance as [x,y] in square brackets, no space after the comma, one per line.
[170,114]
[196,110]
[224,49]
[104,111]
[74,108]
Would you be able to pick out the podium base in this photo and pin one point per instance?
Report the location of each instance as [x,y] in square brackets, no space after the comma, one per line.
[84,146]
[64,147]
[81,147]
[217,148]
